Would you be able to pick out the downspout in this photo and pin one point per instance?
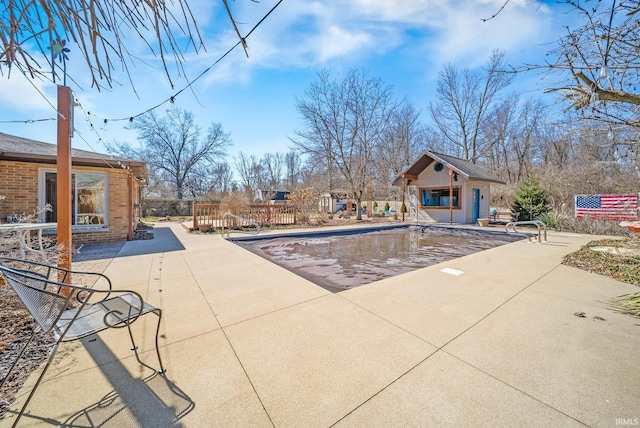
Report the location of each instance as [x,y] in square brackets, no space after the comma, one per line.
[130,215]
[404,187]
[450,195]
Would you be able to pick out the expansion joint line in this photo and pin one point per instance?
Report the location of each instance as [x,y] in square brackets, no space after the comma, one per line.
[440,349]
[235,353]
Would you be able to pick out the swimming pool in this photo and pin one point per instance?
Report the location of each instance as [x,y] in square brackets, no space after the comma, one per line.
[339,260]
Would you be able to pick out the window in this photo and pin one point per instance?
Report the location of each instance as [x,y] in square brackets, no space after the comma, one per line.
[88,198]
[439,197]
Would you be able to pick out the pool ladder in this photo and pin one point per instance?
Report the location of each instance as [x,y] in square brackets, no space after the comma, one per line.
[242,219]
[511,227]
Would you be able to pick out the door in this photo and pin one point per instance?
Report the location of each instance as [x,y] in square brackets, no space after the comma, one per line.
[476,205]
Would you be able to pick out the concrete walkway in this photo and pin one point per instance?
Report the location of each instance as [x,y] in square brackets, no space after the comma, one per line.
[249,344]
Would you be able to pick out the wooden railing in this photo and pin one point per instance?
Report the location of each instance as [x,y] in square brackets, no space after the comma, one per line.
[264,215]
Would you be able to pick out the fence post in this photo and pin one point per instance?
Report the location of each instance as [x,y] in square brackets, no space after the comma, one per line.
[195,216]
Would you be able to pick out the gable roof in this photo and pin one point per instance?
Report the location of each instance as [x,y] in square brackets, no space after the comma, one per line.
[26,150]
[466,169]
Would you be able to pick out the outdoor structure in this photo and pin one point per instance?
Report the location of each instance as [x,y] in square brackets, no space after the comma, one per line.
[442,188]
[272,197]
[331,202]
[105,190]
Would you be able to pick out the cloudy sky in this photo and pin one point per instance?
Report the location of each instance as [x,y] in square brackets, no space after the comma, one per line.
[403,42]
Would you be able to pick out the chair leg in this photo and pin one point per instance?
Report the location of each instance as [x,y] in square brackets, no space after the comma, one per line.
[134,347]
[33,390]
[158,312]
[15,362]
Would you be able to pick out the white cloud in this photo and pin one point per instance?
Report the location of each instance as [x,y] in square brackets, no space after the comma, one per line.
[20,94]
[318,34]
[336,42]
[463,38]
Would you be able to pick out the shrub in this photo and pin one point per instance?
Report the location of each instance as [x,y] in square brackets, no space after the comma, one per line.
[386,206]
[305,202]
[237,203]
[530,200]
[590,226]
[550,218]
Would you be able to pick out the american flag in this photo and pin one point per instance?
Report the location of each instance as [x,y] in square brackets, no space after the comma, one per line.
[611,207]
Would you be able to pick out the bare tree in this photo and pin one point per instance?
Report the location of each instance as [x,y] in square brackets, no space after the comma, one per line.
[251,174]
[598,63]
[213,180]
[293,170]
[172,146]
[525,137]
[223,178]
[556,148]
[345,122]
[497,132]
[464,101]
[515,137]
[402,142]
[274,166]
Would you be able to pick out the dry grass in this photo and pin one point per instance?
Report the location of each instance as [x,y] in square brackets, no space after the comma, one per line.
[623,267]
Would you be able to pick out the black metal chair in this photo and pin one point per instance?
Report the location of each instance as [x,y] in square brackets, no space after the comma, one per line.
[71,312]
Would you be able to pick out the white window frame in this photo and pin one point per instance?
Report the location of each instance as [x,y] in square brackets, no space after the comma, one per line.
[456,190]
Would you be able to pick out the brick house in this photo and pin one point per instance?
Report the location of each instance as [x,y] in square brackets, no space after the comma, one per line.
[106,190]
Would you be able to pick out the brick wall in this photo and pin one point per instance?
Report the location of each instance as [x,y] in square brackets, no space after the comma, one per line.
[19,184]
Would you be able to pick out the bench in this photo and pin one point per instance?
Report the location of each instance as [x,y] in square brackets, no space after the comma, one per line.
[497,215]
[71,312]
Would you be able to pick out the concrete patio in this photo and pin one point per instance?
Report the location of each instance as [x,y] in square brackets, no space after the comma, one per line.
[247,343]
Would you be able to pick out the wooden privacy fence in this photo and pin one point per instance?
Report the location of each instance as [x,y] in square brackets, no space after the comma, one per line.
[264,215]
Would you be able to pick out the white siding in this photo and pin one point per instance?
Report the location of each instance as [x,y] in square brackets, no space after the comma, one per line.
[430,178]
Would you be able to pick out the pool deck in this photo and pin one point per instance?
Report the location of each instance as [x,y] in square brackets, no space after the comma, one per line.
[247,343]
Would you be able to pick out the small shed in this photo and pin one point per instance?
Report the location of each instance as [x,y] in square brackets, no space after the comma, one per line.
[446,189]
[331,202]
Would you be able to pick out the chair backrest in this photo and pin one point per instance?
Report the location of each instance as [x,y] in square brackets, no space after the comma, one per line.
[43,298]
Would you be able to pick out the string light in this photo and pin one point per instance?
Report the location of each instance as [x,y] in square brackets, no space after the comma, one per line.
[129,124]
[171,108]
[604,72]
[104,125]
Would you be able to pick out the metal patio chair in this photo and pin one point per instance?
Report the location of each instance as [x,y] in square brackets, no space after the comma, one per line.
[71,312]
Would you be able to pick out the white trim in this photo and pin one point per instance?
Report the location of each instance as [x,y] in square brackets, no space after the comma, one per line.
[76,227]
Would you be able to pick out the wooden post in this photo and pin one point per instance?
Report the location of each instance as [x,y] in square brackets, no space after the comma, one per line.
[63,179]
[450,196]
[195,217]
